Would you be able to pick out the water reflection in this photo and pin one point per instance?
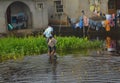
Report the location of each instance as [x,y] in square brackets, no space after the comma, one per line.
[54,73]
[111,42]
[112,45]
[52,70]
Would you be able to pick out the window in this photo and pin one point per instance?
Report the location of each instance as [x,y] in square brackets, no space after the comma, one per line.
[111,4]
[39,5]
[118,4]
[58,6]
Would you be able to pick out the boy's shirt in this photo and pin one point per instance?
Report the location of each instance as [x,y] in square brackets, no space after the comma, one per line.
[48,31]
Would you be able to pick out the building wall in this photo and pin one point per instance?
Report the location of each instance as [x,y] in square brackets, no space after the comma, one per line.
[104,6]
[73,8]
[39,17]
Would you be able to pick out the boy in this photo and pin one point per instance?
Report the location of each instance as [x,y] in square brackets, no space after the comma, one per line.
[52,48]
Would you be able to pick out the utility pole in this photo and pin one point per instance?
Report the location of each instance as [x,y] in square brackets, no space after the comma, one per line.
[60,22]
[83,13]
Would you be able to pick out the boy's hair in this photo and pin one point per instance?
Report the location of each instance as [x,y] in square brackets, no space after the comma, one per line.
[50,37]
[49,24]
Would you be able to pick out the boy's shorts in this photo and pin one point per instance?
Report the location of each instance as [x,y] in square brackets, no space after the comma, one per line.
[51,48]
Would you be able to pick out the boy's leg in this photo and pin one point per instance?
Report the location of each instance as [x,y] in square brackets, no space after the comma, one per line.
[53,51]
[49,54]
[49,50]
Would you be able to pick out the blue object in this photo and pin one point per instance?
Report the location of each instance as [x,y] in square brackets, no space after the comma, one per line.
[10,27]
[81,22]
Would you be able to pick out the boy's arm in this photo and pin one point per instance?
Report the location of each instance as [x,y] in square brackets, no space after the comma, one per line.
[44,33]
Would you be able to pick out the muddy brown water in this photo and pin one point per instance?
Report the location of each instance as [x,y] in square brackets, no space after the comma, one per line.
[94,67]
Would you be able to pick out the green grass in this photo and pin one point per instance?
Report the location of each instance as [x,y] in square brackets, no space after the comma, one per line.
[13,47]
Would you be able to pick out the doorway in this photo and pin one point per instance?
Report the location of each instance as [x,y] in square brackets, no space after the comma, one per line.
[18,16]
[112,6]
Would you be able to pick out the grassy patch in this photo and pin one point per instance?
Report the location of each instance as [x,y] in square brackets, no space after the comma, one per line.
[13,47]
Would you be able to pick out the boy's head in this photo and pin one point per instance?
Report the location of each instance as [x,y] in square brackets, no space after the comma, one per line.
[50,37]
[49,24]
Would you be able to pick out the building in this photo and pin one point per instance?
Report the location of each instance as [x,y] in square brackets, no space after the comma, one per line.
[35,14]
[23,14]
[59,9]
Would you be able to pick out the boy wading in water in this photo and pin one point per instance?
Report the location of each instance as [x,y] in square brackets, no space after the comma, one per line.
[52,49]
[51,41]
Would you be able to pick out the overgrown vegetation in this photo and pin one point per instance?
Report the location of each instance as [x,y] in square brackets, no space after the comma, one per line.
[13,47]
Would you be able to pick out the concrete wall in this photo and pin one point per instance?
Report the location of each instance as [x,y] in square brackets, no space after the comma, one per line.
[39,17]
[73,8]
[3,28]
[104,6]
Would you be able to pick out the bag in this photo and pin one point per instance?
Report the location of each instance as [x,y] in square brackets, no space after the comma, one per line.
[52,42]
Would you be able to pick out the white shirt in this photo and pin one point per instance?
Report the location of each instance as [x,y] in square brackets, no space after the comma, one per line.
[48,31]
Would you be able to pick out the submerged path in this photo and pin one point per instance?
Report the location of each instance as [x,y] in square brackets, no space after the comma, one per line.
[72,68]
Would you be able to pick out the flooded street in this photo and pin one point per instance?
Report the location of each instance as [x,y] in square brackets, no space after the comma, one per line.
[30,27]
[71,68]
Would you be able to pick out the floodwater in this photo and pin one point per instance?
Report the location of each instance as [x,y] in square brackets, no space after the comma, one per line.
[95,67]
[92,66]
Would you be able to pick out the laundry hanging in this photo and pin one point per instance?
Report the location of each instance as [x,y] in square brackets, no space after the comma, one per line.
[107,25]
